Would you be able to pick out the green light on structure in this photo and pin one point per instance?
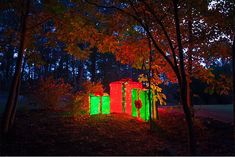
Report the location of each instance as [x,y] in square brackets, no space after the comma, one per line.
[134,97]
[144,110]
[105,104]
[95,105]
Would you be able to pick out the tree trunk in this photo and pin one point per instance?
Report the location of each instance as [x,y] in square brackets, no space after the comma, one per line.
[101,104]
[149,82]
[7,64]
[157,113]
[10,106]
[80,74]
[29,77]
[17,95]
[67,78]
[33,72]
[93,65]
[233,60]
[12,119]
[189,72]
[23,69]
[74,72]
[183,87]
[60,68]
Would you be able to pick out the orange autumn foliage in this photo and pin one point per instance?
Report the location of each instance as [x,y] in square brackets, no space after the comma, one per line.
[81,102]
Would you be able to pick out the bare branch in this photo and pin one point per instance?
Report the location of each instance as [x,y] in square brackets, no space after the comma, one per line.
[164,31]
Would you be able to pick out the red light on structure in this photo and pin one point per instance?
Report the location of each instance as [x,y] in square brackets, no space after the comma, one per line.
[121,95]
[138,104]
[116,97]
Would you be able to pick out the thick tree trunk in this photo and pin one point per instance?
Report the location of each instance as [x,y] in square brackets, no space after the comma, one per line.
[10,106]
[183,87]
[188,117]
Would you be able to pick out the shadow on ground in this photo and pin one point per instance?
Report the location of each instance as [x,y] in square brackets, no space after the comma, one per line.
[40,132]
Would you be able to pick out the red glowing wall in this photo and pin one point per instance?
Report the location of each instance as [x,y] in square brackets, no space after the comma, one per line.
[116,95]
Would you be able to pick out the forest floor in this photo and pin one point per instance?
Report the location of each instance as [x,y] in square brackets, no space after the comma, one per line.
[39,132]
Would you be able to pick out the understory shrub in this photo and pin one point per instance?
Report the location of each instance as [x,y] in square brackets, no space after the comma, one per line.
[51,93]
[81,101]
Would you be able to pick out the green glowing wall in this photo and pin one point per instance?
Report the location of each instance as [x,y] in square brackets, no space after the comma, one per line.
[95,104]
[105,104]
[144,110]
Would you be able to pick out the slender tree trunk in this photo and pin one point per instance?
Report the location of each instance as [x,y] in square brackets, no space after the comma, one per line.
[17,95]
[14,87]
[60,67]
[67,68]
[80,73]
[23,68]
[49,69]
[12,119]
[233,60]
[157,113]
[7,64]
[149,82]
[183,87]
[189,72]
[101,104]
[73,72]
[33,72]
[93,65]
[29,78]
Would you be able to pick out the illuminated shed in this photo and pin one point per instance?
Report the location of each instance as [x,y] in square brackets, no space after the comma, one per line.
[121,95]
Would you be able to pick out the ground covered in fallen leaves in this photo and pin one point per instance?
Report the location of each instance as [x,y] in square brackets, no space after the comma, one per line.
[41,132]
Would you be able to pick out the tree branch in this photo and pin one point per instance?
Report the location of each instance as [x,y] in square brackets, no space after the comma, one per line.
[164,31]
[146,28]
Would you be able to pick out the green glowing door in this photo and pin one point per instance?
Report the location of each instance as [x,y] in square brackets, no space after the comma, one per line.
[144,110]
